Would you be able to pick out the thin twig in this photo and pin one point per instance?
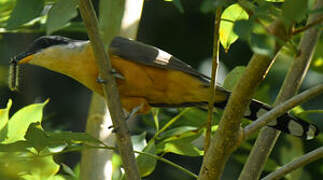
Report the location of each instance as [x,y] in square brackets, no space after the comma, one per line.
[168,162]
[160,158]
[297,163]
[215,66]
[110,91]
[308,26]
[169,123]
[282,108]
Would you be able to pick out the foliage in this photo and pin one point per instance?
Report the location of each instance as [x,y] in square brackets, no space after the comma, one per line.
[28,149]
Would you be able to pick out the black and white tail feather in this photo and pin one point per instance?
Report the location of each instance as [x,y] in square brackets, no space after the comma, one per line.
[285,123]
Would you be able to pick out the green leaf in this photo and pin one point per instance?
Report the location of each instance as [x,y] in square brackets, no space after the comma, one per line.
[71,138]
[40,168]
[271,165]
[6,7]
[247,5]
[263,94]
[233,77]
[4,116]
[20,121]
[24,12]
[57,177]
[181,144]
[155,112]
[68,170]
[289,151]
[294,11]
[36,136]
[147,164]
[194,117]
[116,164]
[60,14]
[139,141]
[177,131]
[26,166]
[266,12]
[305,114]
[18,146]
[243,29]
[317,64]
[229,16]
[179,5]
[183,147]
[262,44]
[209,6]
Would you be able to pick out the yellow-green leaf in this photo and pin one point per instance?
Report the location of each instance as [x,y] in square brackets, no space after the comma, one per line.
[4,116]
[147,164]
[26,166]
[232,78]
[20,121]
[229,16]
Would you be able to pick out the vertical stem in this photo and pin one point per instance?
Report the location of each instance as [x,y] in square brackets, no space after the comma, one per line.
[215,65]
[110,90]
[268,136]
[97,163]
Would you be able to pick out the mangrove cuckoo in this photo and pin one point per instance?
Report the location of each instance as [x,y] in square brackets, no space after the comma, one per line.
[145,76]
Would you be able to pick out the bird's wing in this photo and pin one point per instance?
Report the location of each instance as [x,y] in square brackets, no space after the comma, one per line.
[150,56]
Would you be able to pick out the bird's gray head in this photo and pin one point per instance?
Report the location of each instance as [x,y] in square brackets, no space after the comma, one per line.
[40,44]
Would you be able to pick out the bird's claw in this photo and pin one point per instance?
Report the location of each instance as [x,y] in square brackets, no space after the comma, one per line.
[117,75]
[133,112]
[101,81]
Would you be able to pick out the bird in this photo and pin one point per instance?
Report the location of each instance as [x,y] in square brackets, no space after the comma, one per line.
[146,76]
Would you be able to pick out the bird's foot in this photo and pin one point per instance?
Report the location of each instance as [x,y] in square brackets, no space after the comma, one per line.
[100,80]
[133,112]
[117,75]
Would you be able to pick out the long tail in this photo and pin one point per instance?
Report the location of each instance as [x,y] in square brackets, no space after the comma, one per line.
[285,123]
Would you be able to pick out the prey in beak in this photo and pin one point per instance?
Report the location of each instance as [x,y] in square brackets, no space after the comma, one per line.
[24,58]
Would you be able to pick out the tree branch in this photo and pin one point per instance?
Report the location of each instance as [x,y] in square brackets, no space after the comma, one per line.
[268,136]
[308,26]
[110,90]
[97,163]
[297,163]
[282,108]
[228,136]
